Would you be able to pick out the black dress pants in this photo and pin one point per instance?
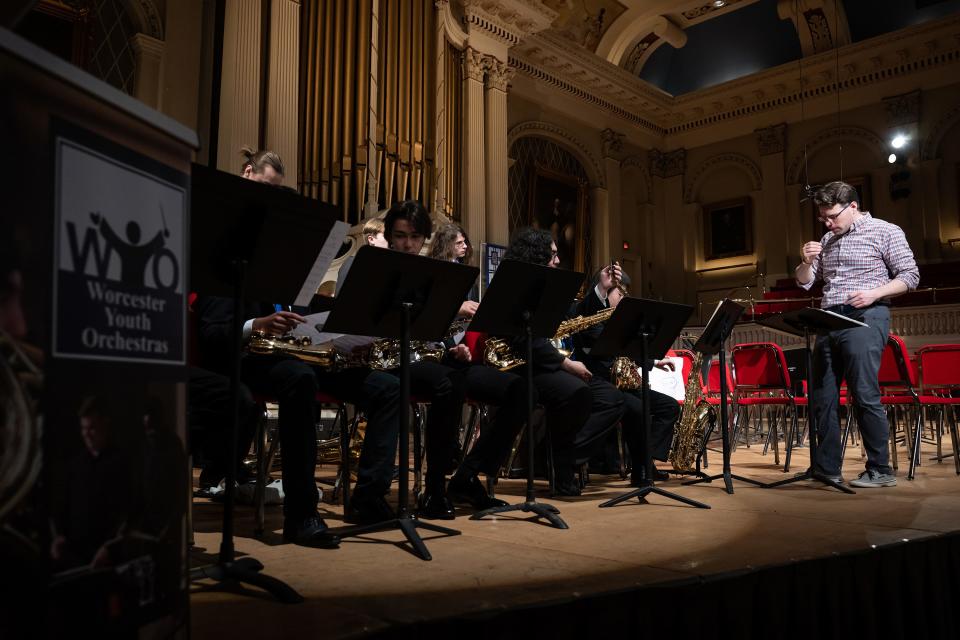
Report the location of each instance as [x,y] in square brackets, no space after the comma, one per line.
[434,383]
[664,412]
[508,393]
[295,384]
[210,416]
[578,413]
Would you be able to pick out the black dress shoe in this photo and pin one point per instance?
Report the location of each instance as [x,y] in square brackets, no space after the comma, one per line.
[368,511]
[435,506]
[473,493]
[639,479]
[309,532]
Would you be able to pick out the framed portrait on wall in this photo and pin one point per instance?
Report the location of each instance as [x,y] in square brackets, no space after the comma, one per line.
[727,229]
[861,184]
[558,205]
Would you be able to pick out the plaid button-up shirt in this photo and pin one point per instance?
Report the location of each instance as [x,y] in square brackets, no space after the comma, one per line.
[869,255]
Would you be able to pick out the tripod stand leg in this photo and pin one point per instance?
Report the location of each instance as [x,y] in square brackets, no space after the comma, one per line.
[247,571]
[409,529]
[639,494]
[679,498]
[548,513]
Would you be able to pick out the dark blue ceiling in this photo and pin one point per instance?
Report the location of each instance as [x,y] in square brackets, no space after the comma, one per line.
[730,46]
[739,43]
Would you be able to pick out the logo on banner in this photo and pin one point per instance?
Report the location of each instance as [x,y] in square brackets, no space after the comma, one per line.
[119,259]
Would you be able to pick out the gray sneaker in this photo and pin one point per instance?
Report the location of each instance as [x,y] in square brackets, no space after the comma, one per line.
[872,478]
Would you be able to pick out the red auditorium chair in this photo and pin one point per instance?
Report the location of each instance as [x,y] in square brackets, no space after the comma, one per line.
[898,384]
[762,380]
[940,385]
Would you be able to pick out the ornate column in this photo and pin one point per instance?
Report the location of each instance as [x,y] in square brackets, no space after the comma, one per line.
[283,98]
[669,264]
[474,165]
[495,128]
[148,77]
[770,220]
[240,82]
[608,229]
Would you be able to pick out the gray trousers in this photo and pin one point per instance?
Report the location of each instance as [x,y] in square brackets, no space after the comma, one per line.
[852,355]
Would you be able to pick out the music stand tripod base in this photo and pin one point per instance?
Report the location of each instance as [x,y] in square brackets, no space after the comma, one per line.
[541,510]
[247,571]
[405,523]
[641,494]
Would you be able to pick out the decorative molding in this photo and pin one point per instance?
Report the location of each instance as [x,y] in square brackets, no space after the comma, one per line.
[452,29]
[148,17]
[611,142]
[931,146]
[709,165]
[558,134]
[699,13]
[667,164]
[903,109]
[771,139]
[508,21]
[831,136]
[474,64]
[499,74]
[547,58]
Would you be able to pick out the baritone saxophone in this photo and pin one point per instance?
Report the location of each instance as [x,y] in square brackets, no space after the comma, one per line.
[696,412]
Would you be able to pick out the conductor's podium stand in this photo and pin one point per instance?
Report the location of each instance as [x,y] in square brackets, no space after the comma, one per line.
[94,489]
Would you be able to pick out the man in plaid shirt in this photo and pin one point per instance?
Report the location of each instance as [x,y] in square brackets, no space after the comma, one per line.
[863,262]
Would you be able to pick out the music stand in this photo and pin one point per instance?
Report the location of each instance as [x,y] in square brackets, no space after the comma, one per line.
[526,300]
[637,329]
[712,341]
[242,247]
[803,322]
[395,295]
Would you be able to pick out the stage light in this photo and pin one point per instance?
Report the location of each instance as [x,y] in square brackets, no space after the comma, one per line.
[719,3]
[892,158]
[626,245]
[898,141]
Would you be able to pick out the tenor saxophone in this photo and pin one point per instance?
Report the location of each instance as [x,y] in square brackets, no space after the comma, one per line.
[498,353]
[688,437]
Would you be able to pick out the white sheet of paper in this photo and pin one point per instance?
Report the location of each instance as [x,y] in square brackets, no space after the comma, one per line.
[327,253]
[669,382]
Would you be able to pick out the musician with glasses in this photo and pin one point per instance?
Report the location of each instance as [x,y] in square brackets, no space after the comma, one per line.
[295,384]
[610,287]
[863,262]
[581,409]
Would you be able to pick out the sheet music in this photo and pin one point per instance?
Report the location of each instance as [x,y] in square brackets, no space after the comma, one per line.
[327,253]
[669,382]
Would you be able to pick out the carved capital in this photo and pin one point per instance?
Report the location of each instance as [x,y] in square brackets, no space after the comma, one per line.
[903,109]
[771,139]
[508,21]
[474,64]
[612,142]
[499,74]
[669,164]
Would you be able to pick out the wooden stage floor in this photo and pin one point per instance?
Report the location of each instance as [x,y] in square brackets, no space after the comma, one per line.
[371,585]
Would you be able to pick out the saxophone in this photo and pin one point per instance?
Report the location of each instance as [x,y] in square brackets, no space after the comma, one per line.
[624,374]
[497,351]
[688,436]
[383,355]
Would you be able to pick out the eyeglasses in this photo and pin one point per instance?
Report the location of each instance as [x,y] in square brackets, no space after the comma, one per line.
[553,254]
[833,216]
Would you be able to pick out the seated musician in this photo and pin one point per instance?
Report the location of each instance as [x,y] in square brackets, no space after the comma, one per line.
[407,228]
[506,391]
[581,408]
[610,286]
[295,384]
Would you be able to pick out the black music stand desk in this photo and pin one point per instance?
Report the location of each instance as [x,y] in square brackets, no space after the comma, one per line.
[641,329]
[712,341]
[242,247]
[395,295]
[804,322]
[526,300]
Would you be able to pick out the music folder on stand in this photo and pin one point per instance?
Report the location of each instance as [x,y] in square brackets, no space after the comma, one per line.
[643,330]
[394,295]
[712,341]
[526,300]
[242,248]
[804,322]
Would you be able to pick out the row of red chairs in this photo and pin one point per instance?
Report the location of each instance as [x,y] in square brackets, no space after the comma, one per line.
[761,379]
